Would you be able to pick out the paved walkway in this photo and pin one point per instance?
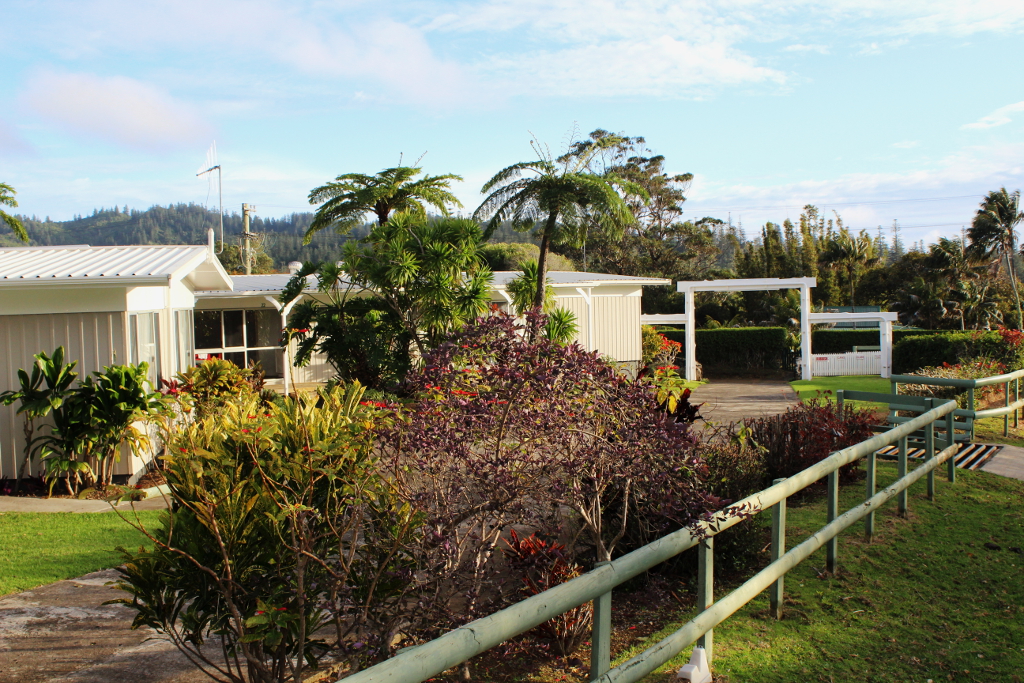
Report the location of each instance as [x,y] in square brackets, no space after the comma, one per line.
[24,504]
[1008,462]
[731,400]
[64,632]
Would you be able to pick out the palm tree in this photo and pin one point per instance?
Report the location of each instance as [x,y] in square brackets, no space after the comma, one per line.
[925,303]
[954,261]
[561,195]
[7,199]
[849,252]
[993,234]
[347,200]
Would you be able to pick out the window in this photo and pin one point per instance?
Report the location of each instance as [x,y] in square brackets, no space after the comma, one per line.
[144,343]
[243,337]
[184,355]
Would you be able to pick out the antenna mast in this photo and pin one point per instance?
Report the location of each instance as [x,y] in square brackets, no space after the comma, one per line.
[212,165]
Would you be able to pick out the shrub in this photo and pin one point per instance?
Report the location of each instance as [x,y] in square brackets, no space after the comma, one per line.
[512,256]
[977,369]
[732,350]
[264,544]
[203,390]
[804,435]
[841,341]
[913,353]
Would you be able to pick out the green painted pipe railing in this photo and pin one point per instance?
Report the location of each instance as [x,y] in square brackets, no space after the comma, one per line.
[416,664]
[969,385]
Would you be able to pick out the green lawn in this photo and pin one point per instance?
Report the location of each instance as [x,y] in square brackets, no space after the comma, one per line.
[809,388]
[40,548]
[926,601]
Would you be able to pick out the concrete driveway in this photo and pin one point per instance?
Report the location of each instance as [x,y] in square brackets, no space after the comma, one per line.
[731,400]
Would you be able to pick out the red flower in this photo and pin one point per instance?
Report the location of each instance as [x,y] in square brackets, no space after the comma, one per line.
[245,431]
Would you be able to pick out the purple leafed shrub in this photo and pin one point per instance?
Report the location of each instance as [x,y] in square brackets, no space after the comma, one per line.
[510,428]
[807,434]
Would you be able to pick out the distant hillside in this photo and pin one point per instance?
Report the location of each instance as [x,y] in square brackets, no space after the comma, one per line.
[188,223]
[183,224]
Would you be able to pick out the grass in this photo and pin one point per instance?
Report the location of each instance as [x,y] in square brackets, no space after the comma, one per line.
[40,548]
[925,600]
[809,388]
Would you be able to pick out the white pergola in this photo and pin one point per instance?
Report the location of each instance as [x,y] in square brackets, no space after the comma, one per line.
[884,320]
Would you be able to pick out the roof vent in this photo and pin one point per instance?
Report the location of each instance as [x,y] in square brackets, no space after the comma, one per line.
[294,267]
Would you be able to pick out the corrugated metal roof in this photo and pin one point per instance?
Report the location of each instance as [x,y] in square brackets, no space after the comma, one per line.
[275,282]
[22,265]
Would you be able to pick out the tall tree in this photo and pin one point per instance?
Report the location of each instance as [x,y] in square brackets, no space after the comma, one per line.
[346,201]
[560,198]
[851,254]
[993,234]
[7,199]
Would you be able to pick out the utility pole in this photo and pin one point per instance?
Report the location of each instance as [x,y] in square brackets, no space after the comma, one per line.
[246,246]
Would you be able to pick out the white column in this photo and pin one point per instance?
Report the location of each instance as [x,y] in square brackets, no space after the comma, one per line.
[805,331]
[691,334]
[886,344]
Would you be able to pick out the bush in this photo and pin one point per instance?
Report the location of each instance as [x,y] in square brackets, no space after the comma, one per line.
[804,435]
[263,545]
[842,341]
[1002,346]
[734,350]
[977,369]
[513,255]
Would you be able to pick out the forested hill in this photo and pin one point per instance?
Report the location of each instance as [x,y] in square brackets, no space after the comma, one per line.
[188,223]
[183,224]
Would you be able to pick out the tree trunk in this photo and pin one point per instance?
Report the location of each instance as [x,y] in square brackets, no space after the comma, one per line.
[542,261]
[1013,281]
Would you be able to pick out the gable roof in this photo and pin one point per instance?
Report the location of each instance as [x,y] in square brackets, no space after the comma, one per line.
[118,266]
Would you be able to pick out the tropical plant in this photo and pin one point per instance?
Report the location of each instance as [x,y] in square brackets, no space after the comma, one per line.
[993,234]
[523,288]
[561,326]
[512,256]
[362,338]
[265,544]
[926,303]
[851,254]
[35,401]
[119,404]
[428,273]
[7,199]
[203,390]
[346,201]
[561,198]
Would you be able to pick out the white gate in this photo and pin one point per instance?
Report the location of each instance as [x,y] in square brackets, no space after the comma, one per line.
[859,363]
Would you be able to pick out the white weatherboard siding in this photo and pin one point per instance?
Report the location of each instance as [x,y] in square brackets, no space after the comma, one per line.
[617,327]
[93,339]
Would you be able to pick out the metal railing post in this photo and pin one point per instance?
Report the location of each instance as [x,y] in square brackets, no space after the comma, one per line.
[901,471]
[833,510]
[706,588]
[869,521]
[601,634]
[778,550]
[951,441]
[929,448]
[971,407]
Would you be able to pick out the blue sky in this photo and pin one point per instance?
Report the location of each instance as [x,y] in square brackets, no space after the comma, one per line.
[856,106]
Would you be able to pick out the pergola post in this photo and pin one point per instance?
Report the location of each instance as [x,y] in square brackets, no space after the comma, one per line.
[805,331]
[886,343]
[691,333]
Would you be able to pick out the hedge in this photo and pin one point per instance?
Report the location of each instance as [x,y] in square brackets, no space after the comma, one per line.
[841,341]
[738,349]
[916,352]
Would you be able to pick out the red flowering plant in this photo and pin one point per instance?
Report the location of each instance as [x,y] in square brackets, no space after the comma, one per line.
[510,428]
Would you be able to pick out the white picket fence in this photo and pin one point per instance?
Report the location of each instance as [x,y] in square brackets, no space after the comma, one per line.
[851,363]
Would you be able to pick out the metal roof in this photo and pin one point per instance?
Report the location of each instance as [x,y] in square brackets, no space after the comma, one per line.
[127,265]
[275,282]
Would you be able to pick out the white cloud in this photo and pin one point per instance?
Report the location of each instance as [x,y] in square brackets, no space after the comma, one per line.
[999,117]
[116,109]
[798,47]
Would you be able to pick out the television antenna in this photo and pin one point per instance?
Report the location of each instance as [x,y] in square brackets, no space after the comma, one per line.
[211,166]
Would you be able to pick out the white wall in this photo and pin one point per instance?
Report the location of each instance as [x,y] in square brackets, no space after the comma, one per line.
[63,299]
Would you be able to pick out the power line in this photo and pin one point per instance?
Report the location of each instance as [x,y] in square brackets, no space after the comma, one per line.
[827,204]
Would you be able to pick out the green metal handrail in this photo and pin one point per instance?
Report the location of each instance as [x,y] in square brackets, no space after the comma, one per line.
[1008,408]
[416,664]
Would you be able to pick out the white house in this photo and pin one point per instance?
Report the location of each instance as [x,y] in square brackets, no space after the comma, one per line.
[172,306]
[106,306]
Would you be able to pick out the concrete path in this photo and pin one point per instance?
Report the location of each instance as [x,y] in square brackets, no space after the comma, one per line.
[731,400]
[64,632]
[23,504]
[1008,462]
